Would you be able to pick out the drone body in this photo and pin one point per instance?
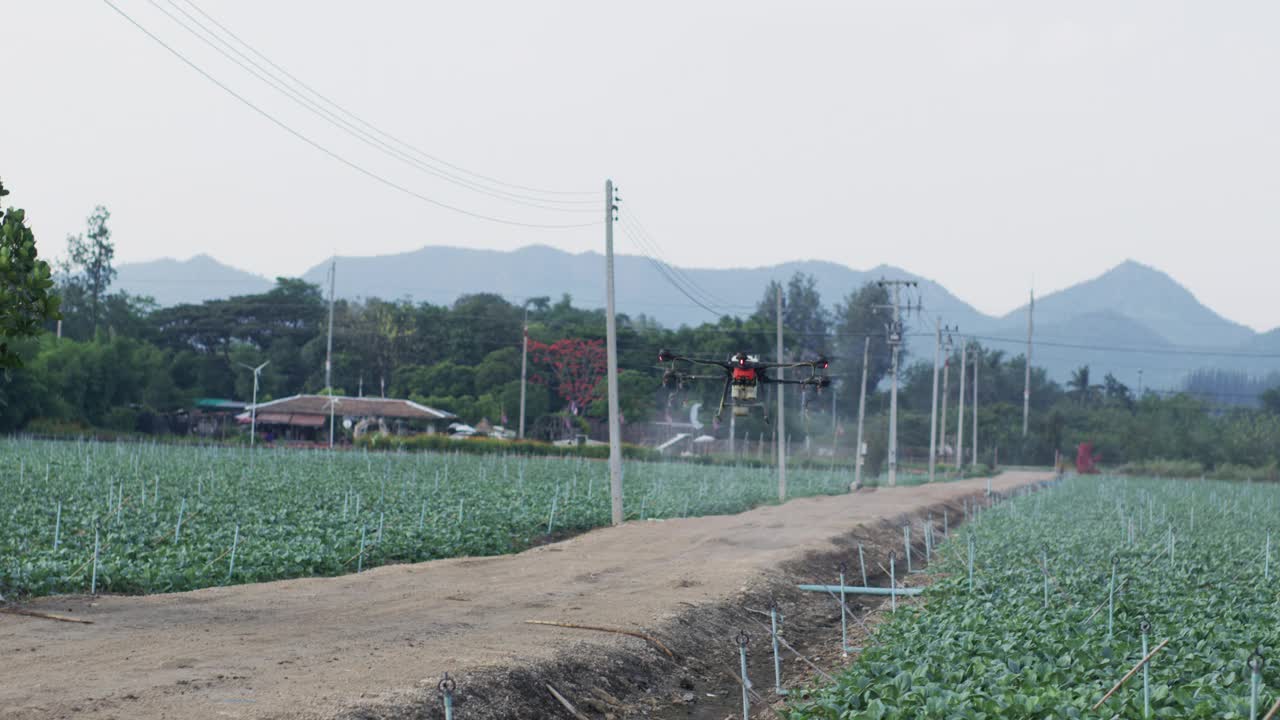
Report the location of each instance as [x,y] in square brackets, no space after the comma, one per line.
[743,377]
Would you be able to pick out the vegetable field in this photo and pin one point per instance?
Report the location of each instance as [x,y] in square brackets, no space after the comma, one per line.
[167,518]
[1064,582]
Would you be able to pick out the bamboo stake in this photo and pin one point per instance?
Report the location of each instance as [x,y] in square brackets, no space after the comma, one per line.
[618,631]
[566,704]
[1272,712]
[1130,674]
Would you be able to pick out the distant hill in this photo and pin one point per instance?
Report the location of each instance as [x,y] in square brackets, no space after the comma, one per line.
[440,274]
[1146,295]
[173,282]
[1103,322]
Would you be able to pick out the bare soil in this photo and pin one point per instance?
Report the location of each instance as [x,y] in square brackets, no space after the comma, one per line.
[374,645]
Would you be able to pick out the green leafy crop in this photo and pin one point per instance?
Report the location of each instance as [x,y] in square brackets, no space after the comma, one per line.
[1190,558]
[302,513]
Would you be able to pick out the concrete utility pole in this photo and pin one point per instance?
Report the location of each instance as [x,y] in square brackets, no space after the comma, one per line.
[964,354]
[895,342]
[977,362]
[328,352]
[524,368]
[862,412]
[611,348]
[933,407]
[946,378]
[782,412]
[1026,385]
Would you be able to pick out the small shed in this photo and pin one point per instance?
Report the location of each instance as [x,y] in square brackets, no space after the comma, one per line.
[306,417]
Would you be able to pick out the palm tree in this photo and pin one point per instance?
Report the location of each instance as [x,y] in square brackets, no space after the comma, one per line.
[1081,390]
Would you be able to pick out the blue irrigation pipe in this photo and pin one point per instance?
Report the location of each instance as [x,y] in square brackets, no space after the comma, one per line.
[853,590]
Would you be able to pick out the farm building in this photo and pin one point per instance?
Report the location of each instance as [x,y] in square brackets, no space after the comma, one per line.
[306,417]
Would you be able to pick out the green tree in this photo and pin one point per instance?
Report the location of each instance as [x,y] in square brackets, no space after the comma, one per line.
[856,319]
[1270,400]
[88,270]
[25,301]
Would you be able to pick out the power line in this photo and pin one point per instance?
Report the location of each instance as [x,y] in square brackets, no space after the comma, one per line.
[211,39]
[377,130]
[661,268]
[644,232]
[336,156]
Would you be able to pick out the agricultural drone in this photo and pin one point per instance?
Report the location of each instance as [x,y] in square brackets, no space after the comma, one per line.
[743,376]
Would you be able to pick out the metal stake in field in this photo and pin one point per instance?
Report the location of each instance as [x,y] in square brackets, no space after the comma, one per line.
[777,659]
[1145,628]
[862,565]
[611,349]
[1111,599]
[1256,662]
[893,583]
[446,688]
[844,630]
[906,544]
[743,639]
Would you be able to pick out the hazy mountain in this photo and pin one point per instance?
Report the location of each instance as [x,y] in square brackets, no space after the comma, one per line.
[172,282]
[1129,318]
[1144,294]
[440,274]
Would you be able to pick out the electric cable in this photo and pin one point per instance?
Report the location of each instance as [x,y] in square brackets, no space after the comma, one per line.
[336,156]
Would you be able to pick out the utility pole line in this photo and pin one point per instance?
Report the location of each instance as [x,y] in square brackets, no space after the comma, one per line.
[933,407]
[1026,385]
[895,342]
[964,354]
[524,368]
[782,412]
[946,378]
[611,349]
[977,362]
[328,352]
[862,411]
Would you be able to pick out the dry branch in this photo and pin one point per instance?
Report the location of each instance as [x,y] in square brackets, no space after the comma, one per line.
[1130,674]
[617,631]
[44,616]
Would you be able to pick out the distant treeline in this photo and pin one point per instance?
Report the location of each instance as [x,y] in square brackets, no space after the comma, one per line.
[123,363]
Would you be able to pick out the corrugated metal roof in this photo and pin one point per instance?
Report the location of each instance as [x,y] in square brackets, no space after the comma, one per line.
[318,405]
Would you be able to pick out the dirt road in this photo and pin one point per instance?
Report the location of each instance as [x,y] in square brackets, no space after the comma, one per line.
[315,648]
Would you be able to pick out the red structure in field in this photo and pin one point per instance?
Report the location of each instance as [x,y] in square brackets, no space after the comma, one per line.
[1086,460]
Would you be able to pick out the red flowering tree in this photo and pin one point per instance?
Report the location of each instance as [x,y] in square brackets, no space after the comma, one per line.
[576,367]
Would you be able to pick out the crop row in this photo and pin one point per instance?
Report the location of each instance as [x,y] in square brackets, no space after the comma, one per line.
[1052,615]
[166,518]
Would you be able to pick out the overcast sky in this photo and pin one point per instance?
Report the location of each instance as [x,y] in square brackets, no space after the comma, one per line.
[986,145]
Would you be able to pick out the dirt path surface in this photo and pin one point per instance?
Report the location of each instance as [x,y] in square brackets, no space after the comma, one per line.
[317,648]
